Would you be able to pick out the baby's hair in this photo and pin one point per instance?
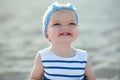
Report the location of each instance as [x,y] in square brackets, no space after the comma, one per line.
[53,8]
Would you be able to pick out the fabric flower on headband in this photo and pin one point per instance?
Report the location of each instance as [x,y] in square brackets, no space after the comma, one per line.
[53,8]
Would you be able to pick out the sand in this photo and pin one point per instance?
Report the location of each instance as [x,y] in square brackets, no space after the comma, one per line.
[21,36]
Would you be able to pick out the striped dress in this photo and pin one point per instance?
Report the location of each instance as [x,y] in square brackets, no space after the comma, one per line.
[59,68]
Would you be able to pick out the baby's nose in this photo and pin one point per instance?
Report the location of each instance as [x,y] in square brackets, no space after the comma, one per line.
[65,26]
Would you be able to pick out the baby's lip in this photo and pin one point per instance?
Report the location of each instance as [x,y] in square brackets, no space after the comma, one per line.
[65,34]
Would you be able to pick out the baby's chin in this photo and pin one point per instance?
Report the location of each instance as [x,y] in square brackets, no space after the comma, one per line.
[65,39]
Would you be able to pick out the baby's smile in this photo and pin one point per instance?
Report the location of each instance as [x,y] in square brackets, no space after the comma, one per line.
[65,34]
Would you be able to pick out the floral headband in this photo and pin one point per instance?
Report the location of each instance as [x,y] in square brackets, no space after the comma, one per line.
[53,8]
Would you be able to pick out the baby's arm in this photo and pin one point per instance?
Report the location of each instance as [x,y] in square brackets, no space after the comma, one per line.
[89,72]
[37,71]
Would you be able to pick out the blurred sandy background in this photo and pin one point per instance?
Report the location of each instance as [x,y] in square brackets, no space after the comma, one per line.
[21,35]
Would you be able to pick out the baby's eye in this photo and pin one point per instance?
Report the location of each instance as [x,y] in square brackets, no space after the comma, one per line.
[56,24]
[72,23]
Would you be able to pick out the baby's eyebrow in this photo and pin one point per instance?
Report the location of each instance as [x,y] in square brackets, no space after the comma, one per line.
[73,20]
[54,21]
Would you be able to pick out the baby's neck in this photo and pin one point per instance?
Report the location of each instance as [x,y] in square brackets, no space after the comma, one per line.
[63,51]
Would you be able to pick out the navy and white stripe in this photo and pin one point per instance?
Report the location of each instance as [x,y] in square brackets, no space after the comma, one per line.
[57,68]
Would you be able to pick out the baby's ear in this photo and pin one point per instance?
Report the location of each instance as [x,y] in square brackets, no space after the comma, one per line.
[46,36]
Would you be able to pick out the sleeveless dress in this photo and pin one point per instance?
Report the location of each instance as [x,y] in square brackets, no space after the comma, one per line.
[59,68]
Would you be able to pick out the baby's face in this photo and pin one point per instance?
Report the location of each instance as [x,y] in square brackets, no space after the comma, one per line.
[62,26]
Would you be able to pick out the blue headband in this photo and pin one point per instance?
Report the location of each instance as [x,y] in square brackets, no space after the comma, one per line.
[54,7]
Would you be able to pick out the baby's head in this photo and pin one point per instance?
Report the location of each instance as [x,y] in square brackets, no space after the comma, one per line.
[53,8]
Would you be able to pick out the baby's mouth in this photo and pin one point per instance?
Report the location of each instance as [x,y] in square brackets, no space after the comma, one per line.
[65,34]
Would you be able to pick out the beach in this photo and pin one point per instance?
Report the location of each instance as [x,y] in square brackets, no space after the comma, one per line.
[21,36]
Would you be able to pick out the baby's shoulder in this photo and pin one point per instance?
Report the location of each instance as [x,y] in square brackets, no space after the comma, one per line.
[43,51]
[45,54]
[81,53]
